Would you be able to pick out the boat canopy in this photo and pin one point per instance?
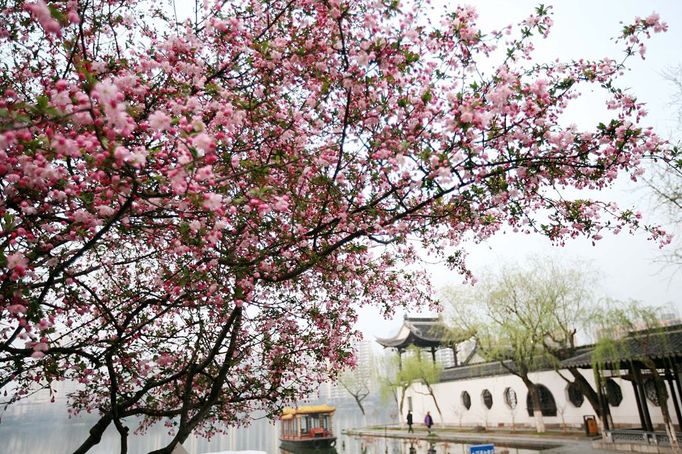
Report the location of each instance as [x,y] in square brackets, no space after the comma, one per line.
[289,412]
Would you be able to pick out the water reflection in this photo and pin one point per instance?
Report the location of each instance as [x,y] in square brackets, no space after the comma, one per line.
[331,450]
[380,445]
[45,428]
[39,427]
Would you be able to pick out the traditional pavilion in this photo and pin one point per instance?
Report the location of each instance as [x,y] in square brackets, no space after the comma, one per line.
[627,390]
[429,333]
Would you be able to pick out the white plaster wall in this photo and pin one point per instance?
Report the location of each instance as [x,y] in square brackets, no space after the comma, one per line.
[448,395]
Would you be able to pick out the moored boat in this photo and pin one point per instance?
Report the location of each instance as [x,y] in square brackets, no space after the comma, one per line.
[307,427]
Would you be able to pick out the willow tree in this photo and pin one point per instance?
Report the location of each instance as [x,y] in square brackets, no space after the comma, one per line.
[526,318]
[426,372]
[621,327]
[392,385]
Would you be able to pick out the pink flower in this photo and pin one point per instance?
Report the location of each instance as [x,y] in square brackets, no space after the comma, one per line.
[652,19]
[159,121]
[73,17]
[121,153]
[17,309]
[17,262]
[104,211]
[42,13]
[213,201]
[465,115]
[164,360]
[81,216]
[263,209]
[138,158]
[203,142]
[281,205]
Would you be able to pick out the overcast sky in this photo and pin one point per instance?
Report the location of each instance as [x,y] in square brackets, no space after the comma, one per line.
[627,266]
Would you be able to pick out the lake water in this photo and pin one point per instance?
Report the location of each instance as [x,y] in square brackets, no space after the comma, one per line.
[41,427]
[44,428]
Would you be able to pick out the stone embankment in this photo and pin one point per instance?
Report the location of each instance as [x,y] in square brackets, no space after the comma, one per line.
[548,443]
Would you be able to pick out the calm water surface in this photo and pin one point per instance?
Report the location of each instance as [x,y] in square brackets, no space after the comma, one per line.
[44,428]
[41,427]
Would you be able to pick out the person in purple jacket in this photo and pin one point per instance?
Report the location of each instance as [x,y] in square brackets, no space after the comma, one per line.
[428,421]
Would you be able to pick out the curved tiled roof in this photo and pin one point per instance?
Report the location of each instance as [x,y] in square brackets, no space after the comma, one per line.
[656,344]
[418,331]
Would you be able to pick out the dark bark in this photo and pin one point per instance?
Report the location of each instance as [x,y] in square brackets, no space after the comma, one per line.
[95,434]
[435,402]
[586,389]
[662,395]
[201,410]
[536,404]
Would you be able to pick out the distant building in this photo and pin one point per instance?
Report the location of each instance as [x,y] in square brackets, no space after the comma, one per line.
[334,392]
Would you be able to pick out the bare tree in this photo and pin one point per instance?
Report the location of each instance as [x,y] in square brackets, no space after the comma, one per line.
[356,384]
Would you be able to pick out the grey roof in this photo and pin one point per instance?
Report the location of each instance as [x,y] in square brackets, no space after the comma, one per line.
[489,368]
[419,331]
[657,344]
[475,370]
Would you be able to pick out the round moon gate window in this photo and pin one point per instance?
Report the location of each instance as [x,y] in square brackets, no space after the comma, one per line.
[466,400]
[487,399]
[510,398]
[575,396]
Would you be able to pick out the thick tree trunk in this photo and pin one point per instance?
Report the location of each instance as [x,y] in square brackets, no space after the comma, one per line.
[95,434]
[536,405]
[586,388]
[662,394]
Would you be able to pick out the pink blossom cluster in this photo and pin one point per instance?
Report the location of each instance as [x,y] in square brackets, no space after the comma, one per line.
[191,215]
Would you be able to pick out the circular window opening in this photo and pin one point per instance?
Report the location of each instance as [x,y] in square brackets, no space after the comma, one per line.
[575,396]
[466,400]
[614,395]
[650,391]
[487,399]
[547,403]
[510,398]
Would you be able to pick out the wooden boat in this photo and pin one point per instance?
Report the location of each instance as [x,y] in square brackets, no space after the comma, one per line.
[307,427]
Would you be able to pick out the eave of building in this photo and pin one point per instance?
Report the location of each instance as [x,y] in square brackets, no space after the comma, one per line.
[659,346]
[420,332]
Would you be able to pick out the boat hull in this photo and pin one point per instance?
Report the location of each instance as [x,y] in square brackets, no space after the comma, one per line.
[307,444]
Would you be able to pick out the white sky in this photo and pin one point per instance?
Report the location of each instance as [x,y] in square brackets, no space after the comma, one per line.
[628,266]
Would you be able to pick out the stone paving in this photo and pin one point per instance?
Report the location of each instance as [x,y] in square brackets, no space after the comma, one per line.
[550,443]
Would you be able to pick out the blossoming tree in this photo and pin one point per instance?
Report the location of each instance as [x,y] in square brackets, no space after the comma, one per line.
[192,211]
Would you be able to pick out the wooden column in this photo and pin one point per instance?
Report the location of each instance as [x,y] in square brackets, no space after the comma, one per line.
[676,378]
[649,427]
[639,403]
[638,396]
[673,394]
